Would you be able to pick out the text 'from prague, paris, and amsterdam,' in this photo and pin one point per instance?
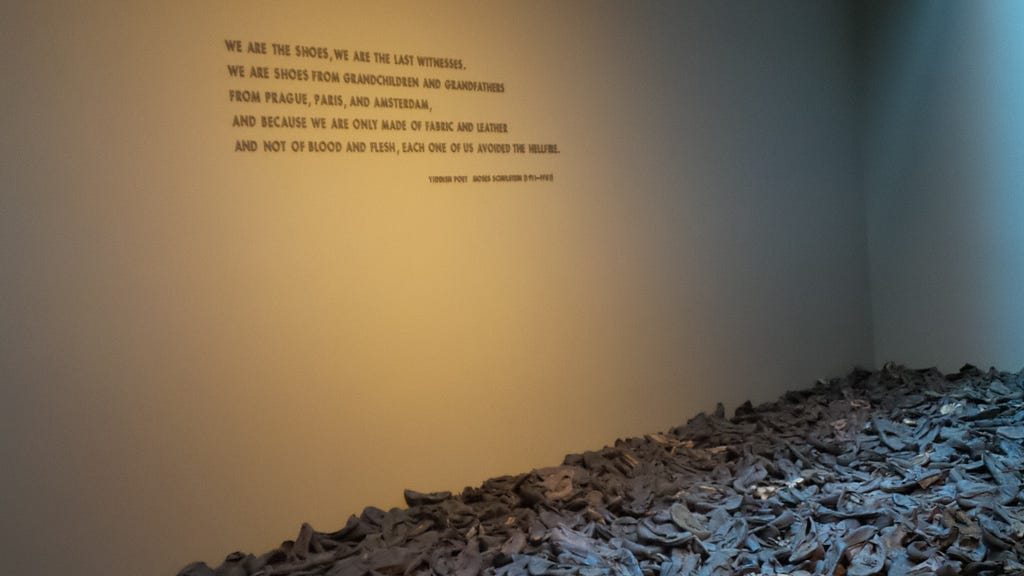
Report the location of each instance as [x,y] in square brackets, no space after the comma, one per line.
[296,98]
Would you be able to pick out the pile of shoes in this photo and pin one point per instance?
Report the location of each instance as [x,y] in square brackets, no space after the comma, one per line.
[900,472]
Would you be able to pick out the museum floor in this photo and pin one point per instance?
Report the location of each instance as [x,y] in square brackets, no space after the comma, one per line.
[901,472]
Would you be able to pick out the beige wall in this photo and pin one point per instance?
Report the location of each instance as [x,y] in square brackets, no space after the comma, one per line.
[201,349]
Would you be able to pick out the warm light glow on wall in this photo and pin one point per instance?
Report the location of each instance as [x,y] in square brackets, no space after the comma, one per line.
[203,348]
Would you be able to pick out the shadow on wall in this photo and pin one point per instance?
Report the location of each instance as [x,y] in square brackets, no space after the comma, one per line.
[944,177]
